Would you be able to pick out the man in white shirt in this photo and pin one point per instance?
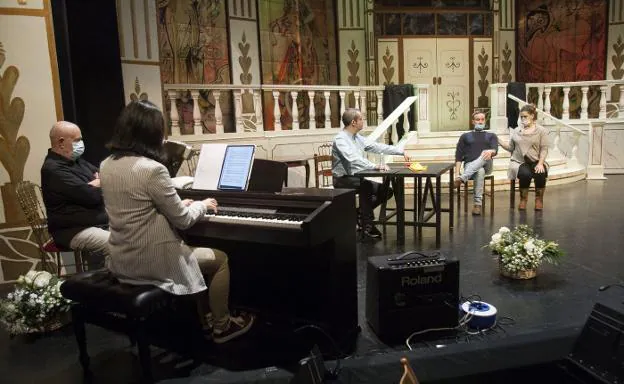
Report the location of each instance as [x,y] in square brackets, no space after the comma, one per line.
[349,158]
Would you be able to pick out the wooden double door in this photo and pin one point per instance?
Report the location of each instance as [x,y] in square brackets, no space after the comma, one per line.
[443,64]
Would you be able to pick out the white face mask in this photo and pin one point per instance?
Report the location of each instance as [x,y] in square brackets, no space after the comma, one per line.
[479,127]
[77,149]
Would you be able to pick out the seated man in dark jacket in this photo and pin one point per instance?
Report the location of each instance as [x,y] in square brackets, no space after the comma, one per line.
[72,194]
[475,149]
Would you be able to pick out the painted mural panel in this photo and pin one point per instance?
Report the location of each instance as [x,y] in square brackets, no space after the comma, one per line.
[193,41]
[560,41]
[298,46]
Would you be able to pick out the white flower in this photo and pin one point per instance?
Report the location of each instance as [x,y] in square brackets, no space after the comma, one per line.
[529,245]
[503,230]
[496,238]
[20,279]
[42,279]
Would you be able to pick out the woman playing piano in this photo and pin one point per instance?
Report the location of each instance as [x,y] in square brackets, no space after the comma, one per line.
[144,211]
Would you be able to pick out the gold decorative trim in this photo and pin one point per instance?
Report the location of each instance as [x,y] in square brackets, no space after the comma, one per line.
[388,70]
[483,69]
[56,82]
[352,65]
[506,64]
[14,150]
[23,11]
[244,60]
[137,95]
[140,62]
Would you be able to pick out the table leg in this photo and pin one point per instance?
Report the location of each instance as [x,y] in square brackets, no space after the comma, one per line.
[451,201]
[399,194]
[437,205]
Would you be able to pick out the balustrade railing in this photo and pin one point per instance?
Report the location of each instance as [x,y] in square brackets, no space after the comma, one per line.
[197,109]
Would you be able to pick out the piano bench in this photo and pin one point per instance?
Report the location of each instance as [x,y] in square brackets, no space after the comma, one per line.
[146,314]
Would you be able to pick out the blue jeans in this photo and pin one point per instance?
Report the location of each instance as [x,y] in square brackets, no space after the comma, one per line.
[476,170]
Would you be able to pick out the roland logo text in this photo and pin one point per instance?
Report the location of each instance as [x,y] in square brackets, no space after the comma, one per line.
[407,281]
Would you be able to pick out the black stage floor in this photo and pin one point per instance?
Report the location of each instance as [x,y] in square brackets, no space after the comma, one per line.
[544,314]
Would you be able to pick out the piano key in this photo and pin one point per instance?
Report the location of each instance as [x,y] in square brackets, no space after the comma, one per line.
[252,221]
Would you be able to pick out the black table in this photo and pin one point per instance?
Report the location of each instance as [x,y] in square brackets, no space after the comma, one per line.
[423,194]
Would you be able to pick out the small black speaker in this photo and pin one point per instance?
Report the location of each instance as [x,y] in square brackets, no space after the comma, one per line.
[411,292]
[599,349]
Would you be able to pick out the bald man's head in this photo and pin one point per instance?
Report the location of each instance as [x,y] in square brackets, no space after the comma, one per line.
[62,137]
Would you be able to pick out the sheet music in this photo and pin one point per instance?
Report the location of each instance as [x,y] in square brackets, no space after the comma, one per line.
[208,168]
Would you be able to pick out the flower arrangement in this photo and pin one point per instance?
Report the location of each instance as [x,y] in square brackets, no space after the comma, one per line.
[521,250]
[35,303]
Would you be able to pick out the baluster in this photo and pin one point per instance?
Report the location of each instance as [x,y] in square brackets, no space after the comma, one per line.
[363,108]
[584,103]
[258,110]
[556,151]
[197,126]
[573,161]
[295,111]
[277,114]
[566,104]
[174,116]
[547,91]
[356,96]
[327,110]
[406,123]
[621,101]
[238,110]
[218,113]
[603,102]
[379,95]
[342,102]
[312,110]
[540,100]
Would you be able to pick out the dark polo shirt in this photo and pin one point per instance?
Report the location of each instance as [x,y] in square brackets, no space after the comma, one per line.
[71,204]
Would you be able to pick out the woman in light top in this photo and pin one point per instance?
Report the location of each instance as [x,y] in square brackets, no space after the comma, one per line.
[529,147]
[145,212]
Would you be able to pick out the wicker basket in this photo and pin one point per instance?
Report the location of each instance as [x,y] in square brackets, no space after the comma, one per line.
[520,275]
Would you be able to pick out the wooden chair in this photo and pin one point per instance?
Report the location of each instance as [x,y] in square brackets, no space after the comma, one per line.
[466,186]
[323,166]
[409,377]
[31,201]
[191,161]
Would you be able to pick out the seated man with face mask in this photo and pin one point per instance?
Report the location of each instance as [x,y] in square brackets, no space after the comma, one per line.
[72,194]
[475,149]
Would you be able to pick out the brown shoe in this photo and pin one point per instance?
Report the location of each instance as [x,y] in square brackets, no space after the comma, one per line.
[458,181]
[476,210]
[236,327]
[524,198]
[539,198]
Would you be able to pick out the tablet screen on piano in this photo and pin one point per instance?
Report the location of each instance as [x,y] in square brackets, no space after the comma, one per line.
[236,168]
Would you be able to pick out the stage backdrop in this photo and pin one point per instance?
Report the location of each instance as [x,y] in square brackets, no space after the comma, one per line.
[560,41]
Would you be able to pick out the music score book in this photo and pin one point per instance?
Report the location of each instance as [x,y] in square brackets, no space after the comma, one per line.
[224,167]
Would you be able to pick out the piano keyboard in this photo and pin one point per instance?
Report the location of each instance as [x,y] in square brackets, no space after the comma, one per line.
[255,217]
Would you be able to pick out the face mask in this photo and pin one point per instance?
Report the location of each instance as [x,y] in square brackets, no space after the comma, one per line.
[77,149]
[479,127]
[525,122]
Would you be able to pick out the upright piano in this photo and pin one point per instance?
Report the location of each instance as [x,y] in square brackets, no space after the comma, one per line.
[292,254]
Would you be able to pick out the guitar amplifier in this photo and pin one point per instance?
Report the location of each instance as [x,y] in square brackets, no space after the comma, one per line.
[411,292]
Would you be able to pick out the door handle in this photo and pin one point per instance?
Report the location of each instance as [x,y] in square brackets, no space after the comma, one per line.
[439,80]
[434,80]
